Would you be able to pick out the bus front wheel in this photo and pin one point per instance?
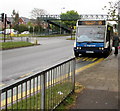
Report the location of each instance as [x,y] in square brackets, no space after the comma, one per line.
[76,54]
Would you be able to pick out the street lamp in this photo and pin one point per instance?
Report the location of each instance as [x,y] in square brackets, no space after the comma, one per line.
[33,30]
[63,8]
[5,26]
[60,20]
[119,18]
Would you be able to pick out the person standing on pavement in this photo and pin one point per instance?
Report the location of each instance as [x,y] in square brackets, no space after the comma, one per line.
[116,42]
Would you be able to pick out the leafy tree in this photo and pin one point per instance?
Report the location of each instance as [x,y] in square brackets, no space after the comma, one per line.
[70,15]
[38,29]
[69,18]
[112,10]
[21,28]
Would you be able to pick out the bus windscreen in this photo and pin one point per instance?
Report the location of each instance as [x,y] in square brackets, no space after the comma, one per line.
[91,34]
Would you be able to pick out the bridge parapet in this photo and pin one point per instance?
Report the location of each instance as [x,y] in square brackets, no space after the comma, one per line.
[82,17]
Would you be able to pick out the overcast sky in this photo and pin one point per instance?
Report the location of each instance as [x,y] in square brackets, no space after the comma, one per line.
[24,7]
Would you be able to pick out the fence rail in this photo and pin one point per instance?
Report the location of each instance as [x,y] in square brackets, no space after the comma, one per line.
[43,90]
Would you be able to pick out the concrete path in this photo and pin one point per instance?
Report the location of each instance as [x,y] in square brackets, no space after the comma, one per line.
[101,86]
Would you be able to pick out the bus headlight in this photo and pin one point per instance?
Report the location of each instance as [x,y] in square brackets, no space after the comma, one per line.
[78,47]
[101,48]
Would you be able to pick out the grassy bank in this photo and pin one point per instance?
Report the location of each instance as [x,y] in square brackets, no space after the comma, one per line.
[7,38]
[57,35]
[33,101]
[73,38]
[70,101]
[16,35]
[28,35]
[10,45]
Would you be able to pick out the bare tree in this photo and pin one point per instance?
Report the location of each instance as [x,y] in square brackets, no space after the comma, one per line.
[36,12]
[15,17]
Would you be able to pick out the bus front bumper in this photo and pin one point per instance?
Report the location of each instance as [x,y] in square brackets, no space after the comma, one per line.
[79,51]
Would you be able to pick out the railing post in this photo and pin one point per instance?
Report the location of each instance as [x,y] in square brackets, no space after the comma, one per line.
[43,92]
[74,65]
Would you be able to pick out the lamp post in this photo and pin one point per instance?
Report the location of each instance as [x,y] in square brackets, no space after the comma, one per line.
[33,30]
[60,20]
[119,18]
[5,26]
[2,20]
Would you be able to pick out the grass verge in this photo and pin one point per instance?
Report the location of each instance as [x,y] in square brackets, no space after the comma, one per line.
[73,38]
[53,97]
[70,101]
[8,38]
[58,35]
[16,35]
[28,35]
[10,45]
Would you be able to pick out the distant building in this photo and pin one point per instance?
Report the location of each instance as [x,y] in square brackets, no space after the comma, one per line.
[23,20]
[0,25]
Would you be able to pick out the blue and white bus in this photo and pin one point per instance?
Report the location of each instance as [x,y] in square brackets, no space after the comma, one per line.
[93,36]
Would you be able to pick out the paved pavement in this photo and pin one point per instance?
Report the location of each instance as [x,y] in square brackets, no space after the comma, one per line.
[101,86]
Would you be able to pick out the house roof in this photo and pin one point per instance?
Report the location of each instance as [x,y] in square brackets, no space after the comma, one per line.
[26,20]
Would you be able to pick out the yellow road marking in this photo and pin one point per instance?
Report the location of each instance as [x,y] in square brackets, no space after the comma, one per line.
[80,58]
[94,59]
[2,85]
[85,58]
[25,75]
[89,59]
[89,65]
[22,95]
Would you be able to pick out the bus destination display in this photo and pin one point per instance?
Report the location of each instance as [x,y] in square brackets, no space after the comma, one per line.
[91,22]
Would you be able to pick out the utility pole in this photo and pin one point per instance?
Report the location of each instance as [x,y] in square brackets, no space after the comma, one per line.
[2,19]
[119,18]
[5,26]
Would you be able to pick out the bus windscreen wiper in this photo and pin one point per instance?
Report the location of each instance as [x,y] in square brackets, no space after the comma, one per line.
[86,41]
[96,41]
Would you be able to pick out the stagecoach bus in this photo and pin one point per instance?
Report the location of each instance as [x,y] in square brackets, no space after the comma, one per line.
[93,37]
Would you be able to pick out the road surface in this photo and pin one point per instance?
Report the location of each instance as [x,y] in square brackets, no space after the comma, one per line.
[25,61]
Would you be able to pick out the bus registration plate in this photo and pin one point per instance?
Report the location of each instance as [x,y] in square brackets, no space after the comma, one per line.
[89,51]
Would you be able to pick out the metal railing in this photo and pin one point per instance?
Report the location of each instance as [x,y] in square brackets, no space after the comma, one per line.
[43,90]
